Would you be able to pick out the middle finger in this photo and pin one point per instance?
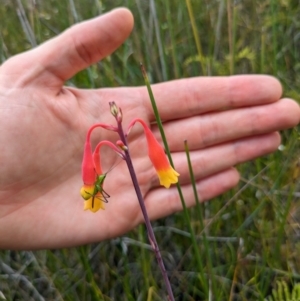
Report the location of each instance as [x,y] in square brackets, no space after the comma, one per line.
[219,127]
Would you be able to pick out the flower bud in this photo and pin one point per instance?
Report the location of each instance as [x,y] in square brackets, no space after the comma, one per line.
[116,112]
[114,109]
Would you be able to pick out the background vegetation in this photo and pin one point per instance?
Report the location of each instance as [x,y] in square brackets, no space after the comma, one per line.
[248,241]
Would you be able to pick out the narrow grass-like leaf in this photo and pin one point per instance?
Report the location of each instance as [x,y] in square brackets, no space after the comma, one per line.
[168,152]
[200,210]
[196,36]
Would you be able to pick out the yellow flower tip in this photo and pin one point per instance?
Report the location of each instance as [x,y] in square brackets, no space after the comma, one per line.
[168,177]
[95,205]
[87,191]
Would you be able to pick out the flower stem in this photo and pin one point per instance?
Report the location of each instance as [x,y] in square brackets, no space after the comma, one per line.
[150,231]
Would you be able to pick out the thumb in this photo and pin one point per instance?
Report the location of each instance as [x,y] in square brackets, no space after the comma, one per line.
[78,47]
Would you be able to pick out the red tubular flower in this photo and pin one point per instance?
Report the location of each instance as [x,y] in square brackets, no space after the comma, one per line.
[96,158]
[92,190]
[166,174]
[88,167]
[88,170]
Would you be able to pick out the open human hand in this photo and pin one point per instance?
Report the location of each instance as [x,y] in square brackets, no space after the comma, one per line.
[43,124]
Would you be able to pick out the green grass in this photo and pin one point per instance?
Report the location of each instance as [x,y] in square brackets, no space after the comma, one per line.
[251,236]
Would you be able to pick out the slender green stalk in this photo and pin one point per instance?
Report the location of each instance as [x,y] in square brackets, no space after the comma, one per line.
[230,42]
[200,208]
[196,35]
[144,260]
[263,52]
[95,291]
[164,139]
[231,17]
[173,43]
[218,29]
[283,207]
[274,34]
[234,29]
[193,181]
[159,40]
[26,24]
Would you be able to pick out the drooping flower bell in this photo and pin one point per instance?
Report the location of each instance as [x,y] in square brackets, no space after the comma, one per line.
[93,198]
[93,178]
[88,171]
[166,174]
[92,189]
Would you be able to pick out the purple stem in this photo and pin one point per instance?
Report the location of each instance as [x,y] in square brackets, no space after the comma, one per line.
[150,232]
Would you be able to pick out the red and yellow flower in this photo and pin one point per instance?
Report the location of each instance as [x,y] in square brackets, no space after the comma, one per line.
[166,174]
[92,190]
[91,169]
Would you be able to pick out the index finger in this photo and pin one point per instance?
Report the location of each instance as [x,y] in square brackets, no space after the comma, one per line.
[198,95]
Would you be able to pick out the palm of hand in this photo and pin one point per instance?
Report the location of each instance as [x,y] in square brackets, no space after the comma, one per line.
[49,154]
